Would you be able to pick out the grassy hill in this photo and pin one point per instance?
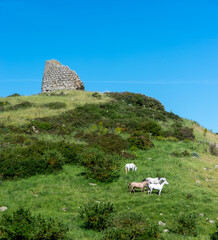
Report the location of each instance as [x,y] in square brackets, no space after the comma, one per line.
[64,150]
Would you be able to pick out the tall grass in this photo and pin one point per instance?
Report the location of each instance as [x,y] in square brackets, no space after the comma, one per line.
[72,99]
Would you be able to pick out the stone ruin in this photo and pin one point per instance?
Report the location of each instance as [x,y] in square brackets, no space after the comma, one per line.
[59,77]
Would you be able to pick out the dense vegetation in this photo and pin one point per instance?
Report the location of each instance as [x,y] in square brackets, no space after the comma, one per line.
[74,144]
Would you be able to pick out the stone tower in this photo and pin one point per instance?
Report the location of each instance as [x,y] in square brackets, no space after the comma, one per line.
[59,77]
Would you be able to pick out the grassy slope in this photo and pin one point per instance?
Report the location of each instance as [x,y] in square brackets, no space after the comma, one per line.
[23,116]
[69,189]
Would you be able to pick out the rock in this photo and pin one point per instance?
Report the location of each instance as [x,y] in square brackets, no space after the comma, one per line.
[161,214]
[211,221]
[205,169]
[201,214]
[216,166]
[197,181]
[161,223]
[165,230]
[93,184]
[213,149]
[194,154]
[3,208]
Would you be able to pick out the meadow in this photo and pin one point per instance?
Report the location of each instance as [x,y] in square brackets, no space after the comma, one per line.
[186,163]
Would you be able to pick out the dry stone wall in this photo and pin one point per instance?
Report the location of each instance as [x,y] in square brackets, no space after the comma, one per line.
[59,77]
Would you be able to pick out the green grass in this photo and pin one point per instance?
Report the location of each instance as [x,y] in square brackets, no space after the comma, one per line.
[191,188]
[72,99]
[70,189]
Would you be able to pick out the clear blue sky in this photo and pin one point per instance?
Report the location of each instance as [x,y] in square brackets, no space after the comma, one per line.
[165,49]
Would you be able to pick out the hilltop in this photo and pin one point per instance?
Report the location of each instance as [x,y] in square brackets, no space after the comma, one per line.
[65,149]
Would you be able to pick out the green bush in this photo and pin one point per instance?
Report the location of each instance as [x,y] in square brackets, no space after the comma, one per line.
[137,100]
[150,127]
[37,158]
[185,224]
[109,142]
[55,105]
[214,236]
[4,105]
[97,216]
[96,95]
[22,105]
[44,126]
[131,225]
[100,166]
[138,141]
[185,153]
[14,95]
[22,225]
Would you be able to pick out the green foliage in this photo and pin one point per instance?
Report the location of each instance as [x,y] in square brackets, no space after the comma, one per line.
[44,126]
[55,105]
[21,225]
[36,158]
[96,95]
[185,224]
[150,127]
[109,142]
[185,153]
[100,166]
[14,95]
[97,216]
[137,100]
[140,141]
[131,225]
[22,105]
[214,236]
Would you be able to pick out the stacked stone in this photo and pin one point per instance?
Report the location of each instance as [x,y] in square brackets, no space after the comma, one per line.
[59,77]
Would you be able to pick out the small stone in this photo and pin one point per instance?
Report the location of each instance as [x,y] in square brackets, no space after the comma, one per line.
[197,181]
[161,214]
[149,158]
[216,166]
[205,169]
[97,201]
[165,230]
[64,209]
[161,223]
[211,221]
[201,214]
[93,184]
[3,208]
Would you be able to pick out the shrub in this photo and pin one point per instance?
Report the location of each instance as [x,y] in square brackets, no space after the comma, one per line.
[214,236]
[22,105]
[109,142]
[100,166]
[185,153]
[44,125]
[14,95]
[55,105]
[37,158]
[186,224]
[142,142]
[152,127]
[137,100]
[97,216]
[23,225]
[96,95]
[4,105]
[131,225]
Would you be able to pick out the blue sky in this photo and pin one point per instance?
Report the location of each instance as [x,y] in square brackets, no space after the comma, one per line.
[165,49]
